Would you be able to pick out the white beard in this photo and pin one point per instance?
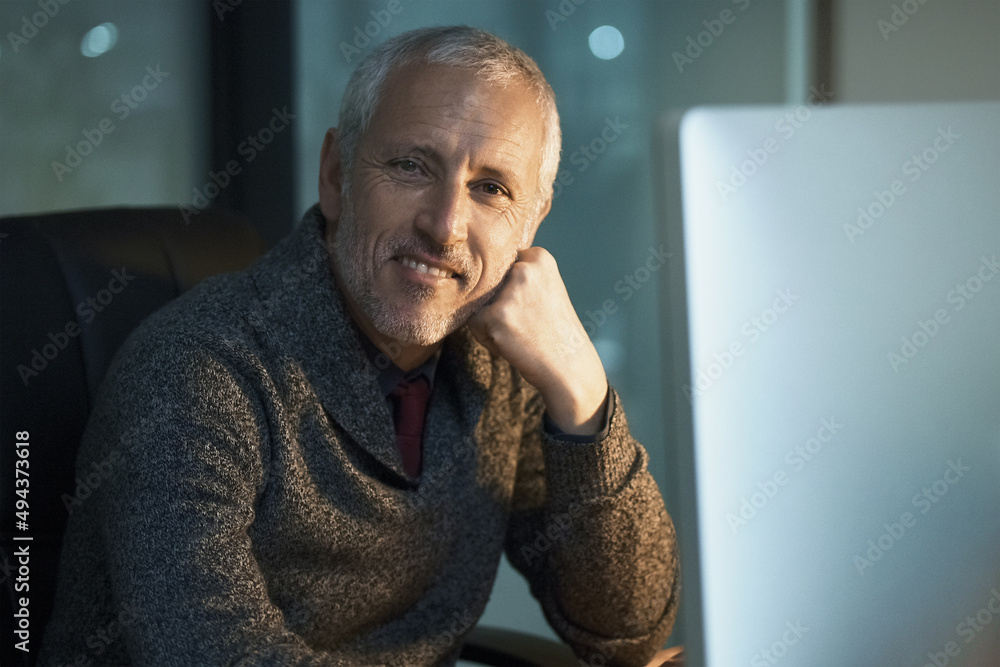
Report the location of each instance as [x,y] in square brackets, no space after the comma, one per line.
[358,273]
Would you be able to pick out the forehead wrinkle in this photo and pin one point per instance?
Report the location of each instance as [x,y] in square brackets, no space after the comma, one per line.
[502,136]
[468,101]
[460,111]
[487,119]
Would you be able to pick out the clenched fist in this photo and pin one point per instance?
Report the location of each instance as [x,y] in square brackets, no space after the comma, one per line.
[531,323]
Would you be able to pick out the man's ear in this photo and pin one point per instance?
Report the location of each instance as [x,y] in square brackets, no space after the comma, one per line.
[532,228]
[330,176]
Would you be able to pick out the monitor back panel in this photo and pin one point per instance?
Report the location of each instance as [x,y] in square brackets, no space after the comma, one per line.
[843,315]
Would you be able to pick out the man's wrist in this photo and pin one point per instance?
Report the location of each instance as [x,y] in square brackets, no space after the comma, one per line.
[574,417]
[604,427]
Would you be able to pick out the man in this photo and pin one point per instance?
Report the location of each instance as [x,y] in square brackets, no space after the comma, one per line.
[285,496]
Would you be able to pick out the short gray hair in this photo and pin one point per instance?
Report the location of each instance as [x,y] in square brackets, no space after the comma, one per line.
[458,46]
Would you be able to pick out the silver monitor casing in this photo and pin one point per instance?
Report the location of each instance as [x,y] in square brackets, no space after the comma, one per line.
[832,345]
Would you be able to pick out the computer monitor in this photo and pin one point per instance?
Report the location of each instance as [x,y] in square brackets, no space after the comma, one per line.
[833,381]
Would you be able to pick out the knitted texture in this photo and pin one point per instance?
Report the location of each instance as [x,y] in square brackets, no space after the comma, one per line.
[256,511]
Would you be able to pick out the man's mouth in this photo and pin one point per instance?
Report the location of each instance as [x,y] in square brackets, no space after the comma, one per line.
[422,266]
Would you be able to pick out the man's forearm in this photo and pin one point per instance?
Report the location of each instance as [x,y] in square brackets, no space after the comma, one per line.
[602,555]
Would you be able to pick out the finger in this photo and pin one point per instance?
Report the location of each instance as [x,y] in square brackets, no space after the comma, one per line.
[532,254]
[480,330]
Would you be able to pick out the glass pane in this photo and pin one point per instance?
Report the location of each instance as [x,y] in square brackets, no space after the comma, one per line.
[103,103]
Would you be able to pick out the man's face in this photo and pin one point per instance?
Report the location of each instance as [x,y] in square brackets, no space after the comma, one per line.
[441,193]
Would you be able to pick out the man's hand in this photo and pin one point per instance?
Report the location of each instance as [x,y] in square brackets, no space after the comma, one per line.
[668,658]
[533,325]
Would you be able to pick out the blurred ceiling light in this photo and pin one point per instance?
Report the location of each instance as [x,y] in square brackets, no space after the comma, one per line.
[99,40]
[606,42]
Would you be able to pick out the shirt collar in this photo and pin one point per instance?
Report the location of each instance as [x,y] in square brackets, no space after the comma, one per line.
[389,374]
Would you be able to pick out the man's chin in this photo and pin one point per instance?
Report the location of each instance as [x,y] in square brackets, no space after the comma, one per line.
[421,328]
[410,329]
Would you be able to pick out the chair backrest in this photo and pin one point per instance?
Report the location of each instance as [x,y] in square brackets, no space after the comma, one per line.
[74,285]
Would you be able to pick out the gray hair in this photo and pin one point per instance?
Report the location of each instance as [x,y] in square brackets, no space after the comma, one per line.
[496,61]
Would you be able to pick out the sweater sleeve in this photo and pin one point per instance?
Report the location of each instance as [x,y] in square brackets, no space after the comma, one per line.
[177,521]
[590,532]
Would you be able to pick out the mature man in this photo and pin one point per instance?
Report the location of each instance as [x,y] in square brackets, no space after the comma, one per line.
[320,461]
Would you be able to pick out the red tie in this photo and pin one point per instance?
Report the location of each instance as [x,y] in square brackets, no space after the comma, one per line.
[410,404]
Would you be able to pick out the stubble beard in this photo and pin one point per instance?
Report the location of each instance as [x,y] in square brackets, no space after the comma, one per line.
[358,274]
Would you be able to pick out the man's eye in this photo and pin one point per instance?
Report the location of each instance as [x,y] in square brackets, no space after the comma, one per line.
[408,166]
[493,189]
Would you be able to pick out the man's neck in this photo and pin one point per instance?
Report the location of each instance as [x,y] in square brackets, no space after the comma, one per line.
[406,357]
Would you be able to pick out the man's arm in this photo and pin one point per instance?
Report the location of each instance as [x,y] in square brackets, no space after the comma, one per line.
[176,518]
[590,533]
[589,528]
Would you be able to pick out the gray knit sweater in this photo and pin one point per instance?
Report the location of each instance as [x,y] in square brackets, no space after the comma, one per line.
[254,509]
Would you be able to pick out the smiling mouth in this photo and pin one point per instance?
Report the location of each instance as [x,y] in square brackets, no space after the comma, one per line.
[423,267]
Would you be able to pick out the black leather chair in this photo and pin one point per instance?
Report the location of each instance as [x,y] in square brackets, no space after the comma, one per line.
[74,285]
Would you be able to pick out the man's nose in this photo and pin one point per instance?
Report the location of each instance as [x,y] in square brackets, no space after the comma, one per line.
[445,214]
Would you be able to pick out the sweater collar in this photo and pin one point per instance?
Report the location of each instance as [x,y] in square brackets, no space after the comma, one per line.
[306,318]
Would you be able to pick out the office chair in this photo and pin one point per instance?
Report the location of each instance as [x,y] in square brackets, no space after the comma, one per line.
[74,285]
